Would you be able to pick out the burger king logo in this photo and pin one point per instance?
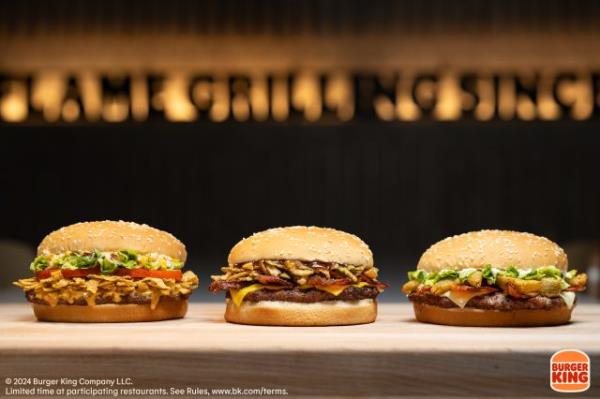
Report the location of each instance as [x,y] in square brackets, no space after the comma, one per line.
[570,371]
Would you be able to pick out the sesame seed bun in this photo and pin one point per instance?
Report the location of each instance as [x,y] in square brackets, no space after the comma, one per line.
[166,309]
[112,236]
[469,317]
[302,243]
[498,248]
[279,313]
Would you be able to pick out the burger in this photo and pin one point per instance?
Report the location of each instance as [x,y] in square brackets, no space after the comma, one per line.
[109,272]
[300,276]
[494,278]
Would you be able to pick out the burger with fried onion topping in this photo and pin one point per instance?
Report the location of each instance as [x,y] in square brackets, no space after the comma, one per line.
[109,272]
[300,276]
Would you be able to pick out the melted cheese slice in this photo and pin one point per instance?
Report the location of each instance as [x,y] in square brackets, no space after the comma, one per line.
[569,298]
[91,300]
[338,288]
[460,298]
[237,296]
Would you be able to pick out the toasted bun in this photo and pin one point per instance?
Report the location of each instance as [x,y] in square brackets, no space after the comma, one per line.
[278,313]
[112,236]
[469,317]
[303,243]
[166,309]
[498,248]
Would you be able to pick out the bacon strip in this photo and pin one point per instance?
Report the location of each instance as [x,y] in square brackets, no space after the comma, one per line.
[221,285]
[377,284]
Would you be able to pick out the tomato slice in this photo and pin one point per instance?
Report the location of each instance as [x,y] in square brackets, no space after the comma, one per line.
[67,273]
[142,273]
[44,274]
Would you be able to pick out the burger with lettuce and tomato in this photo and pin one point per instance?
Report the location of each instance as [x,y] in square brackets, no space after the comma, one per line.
[300,276]
[109,271]
[494,278]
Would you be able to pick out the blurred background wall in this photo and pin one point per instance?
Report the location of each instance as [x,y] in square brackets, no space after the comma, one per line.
[400,121]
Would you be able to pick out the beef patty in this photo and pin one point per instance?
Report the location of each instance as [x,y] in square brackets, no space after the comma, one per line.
[311,295]
[494,301]
[130,299]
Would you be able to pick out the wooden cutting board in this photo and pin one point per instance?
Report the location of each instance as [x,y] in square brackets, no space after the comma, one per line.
[394,356]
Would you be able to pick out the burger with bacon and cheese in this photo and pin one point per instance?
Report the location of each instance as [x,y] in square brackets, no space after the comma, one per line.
[300,276]
[109,272]
[494,278]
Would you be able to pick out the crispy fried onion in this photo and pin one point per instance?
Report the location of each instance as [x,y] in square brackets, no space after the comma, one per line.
[56,288]
[294,270]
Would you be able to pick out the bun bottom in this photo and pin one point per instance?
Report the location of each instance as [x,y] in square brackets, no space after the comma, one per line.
[491,318]
[279,313]
[112,313]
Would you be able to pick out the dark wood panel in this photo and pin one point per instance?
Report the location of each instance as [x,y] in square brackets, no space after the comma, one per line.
[311,17]
[399,186]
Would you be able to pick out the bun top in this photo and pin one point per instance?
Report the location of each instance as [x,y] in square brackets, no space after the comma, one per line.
[497,248]
[112,236]
[302,243]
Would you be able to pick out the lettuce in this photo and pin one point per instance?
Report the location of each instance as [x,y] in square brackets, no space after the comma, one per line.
[511,271]
[85,261]
[160,263]
[431,278]
[78,261]
[442,275]
[489,274]
[124,258]
[107,267]
[157,264]
[40,263]
[538,274]
[418,275]
[110,261]
[524,272]
[127,258]
[464,274]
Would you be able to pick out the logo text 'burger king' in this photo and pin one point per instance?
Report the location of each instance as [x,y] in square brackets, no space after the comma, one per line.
[570,371]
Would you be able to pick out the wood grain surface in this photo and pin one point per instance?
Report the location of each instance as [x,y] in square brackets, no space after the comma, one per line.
[395,356]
